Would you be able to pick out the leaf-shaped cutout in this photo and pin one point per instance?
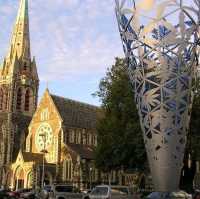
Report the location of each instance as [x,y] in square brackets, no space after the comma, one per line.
[130,36]
[135,22]
[163,61]
[150,42]
[169,26]
[163,75]
[189,32]
[170,39]
[150,63]
[146,4]
[150,97]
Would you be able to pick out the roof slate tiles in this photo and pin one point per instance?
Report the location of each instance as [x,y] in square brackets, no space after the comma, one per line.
[76,114]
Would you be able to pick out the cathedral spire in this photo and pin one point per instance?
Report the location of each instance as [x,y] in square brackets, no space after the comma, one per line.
[20,43]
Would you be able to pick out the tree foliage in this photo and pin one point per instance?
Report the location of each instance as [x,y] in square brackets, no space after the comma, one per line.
[194,134]
[120,141]
[192,152]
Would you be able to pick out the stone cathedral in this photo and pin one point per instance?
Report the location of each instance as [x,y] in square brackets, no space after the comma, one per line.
[58,132]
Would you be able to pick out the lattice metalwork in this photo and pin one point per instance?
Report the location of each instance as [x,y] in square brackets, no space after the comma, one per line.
[160,40]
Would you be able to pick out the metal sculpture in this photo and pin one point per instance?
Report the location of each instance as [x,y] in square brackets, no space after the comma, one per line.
[160,40]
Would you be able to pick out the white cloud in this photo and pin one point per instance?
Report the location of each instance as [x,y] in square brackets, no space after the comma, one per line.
[82,39]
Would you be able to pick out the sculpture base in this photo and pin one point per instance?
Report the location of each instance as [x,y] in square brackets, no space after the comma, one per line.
[167,195]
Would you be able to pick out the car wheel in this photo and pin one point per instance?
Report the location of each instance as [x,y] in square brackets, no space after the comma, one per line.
[87,197]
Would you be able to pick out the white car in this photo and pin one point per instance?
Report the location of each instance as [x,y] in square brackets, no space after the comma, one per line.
[173,195]
[110,192]
[63,191]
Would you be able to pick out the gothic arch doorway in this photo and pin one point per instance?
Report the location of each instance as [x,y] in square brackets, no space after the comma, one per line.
[8,177]
[19,178]
[30,179]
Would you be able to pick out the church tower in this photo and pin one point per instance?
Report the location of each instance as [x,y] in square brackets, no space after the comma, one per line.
[18,92]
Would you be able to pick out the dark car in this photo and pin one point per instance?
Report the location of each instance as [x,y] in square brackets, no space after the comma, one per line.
[22,194]
[4,193]
[28,194]
[14,194]
[45,192]
[196,195]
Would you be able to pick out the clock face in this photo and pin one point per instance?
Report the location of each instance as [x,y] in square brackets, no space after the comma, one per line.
[44,136]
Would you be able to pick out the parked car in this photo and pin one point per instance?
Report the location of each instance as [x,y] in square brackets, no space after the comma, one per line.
[110,192]
[196,194]
[4,193]
[28,194]
[44,194]
[86,193]
[22,194]
[14,194]
[180,195]
[63,191]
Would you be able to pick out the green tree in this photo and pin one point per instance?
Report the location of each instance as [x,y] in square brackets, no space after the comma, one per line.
[192,152]
[194,135]
[120,140]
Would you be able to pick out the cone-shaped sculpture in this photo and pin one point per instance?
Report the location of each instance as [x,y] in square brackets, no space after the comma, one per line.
[160,40]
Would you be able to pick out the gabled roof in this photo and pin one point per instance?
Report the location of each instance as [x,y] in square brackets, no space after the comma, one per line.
[76,114]
[84,152]
[32,157]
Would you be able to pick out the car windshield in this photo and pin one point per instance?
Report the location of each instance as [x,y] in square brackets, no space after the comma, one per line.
[47,188]
[64,188]
[119,190]
[99,191]
[24,190]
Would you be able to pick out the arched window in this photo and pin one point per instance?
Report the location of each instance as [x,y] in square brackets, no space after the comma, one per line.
[88,139]
[27,101]
[1,99]
[70,170]
[19,99]
[30,179]
[5,100]
[84,137]
[67,170]
[72,136]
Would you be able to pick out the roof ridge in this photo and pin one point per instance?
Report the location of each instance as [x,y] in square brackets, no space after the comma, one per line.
[28,152]
[76,101]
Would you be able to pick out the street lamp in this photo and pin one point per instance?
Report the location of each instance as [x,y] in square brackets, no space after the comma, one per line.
[44,151]
[90,177]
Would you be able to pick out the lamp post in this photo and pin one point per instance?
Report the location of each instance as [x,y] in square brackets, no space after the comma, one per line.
[90,177]
[44,151]
[1,172]
[2,176]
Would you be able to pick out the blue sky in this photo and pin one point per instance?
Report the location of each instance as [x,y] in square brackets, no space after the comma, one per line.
[74,41]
